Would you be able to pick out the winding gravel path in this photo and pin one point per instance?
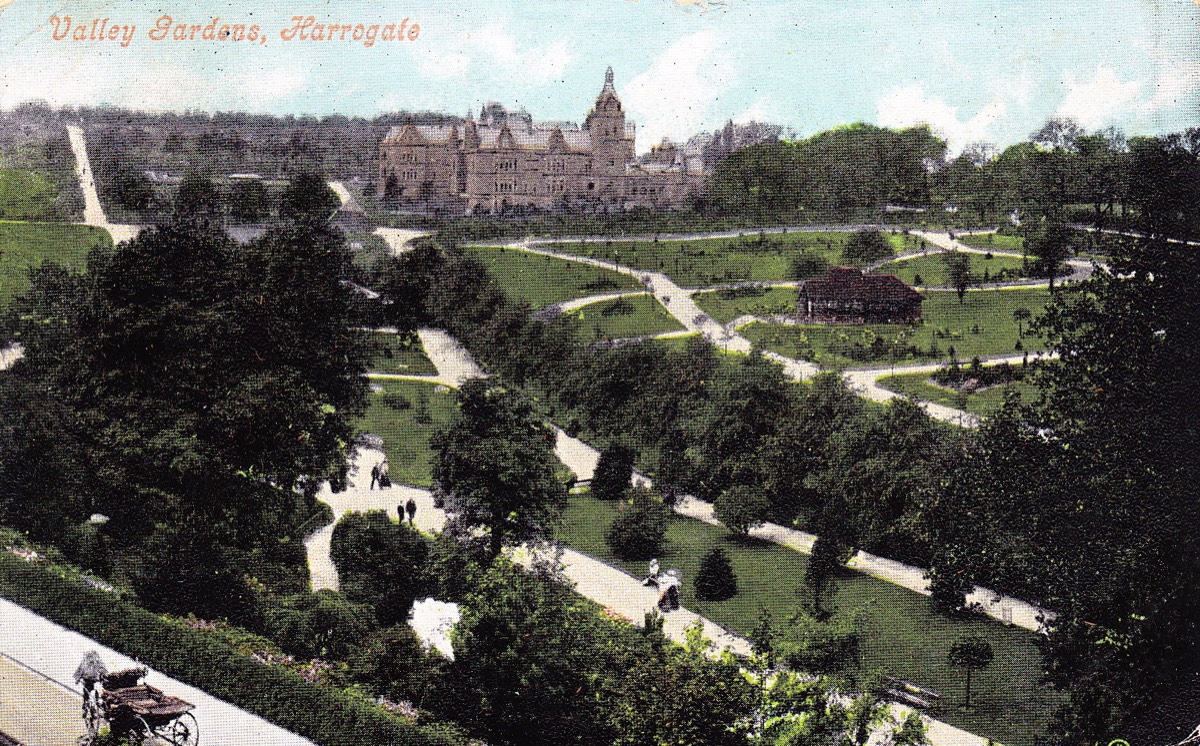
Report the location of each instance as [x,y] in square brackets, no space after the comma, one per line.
[93,212]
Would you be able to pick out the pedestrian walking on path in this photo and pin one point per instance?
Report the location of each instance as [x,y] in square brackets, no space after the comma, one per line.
[374,475]
[410,508]
[668,600]
[652,578]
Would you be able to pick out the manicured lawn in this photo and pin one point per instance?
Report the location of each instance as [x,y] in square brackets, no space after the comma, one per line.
[541,280]
[994,241]
[981,403]
[392,353]
[901,635]
[712,261]
[632,316]
[24,245]
[405,414]
[755,302]
[947,324]
[930,271]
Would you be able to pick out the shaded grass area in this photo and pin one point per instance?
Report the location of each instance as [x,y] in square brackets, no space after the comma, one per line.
[712,261]
[931,270]
[632,316]
[369,250]
[542,280]
[981,402]
[405,414]
[726,305]
[25,245]
[397,353]
[982,325]
[994,241]
[901,635]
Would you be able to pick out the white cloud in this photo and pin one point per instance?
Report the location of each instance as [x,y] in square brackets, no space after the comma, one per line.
[262,86]
[910,106]
[1097,102]
[536,64]
[447,66]
[674,97]
[759,111]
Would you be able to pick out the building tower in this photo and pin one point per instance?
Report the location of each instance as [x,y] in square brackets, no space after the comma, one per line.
[612,146]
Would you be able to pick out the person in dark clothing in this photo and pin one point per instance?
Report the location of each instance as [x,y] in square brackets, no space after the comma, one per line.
[410,507]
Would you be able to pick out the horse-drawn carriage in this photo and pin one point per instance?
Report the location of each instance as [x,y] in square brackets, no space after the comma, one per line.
[135,710]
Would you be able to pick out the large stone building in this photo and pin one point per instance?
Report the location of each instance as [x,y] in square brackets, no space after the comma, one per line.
[506,162]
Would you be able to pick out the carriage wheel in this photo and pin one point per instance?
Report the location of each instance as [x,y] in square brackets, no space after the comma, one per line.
[141,733]
[183,731]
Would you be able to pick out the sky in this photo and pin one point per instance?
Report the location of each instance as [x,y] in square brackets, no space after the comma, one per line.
[974,71]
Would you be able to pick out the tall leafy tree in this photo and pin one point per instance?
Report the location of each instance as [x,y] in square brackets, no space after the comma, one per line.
[495,467]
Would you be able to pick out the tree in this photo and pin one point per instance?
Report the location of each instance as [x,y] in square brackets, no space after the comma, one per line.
[613,472]
[806,265]
[1051,244]
[639,532]
[321,624]
[391,662]
[380,563]
[972,654]
[742,508]
[827,556]
[198,198]
[189,368]
[495,467]
[958,270]
[308,199]
[866,247]
[248,201]
[1021,315]
[715,581]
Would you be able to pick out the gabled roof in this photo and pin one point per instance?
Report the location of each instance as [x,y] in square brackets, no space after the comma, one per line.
[849,283]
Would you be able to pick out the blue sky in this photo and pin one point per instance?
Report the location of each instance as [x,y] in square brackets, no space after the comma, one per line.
[975,71]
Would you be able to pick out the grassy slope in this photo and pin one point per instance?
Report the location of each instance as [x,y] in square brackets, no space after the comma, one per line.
[982,403]
[992,310]
[772,301]
[542,280]
[901,634]
[405,440]
[647,316]
[932,269]
[24,245]
[712,261]
[389,355]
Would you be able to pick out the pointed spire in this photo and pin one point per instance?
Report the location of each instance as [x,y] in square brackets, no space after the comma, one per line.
[608,79]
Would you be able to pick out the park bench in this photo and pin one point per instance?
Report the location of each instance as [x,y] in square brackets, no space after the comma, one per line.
[910,694]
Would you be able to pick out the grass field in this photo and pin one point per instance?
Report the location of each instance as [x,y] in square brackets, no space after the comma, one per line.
[901,635]
[930,271]
[632,316]
[25,245]
[712,261]
[405,414]
[981,403]
[947,324]
[760,302]
[994,241]
[390,354]
[542,280]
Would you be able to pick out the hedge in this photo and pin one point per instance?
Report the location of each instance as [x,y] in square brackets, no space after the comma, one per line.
[327,716]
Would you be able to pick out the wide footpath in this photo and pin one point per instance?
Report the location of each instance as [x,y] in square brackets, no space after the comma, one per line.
[608,586]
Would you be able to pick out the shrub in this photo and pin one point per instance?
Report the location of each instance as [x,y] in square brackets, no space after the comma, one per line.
[321,624]
[396,401]
[818,647]
[715,581]
[392,663]
[640,531]
[613,472]
[742,508]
